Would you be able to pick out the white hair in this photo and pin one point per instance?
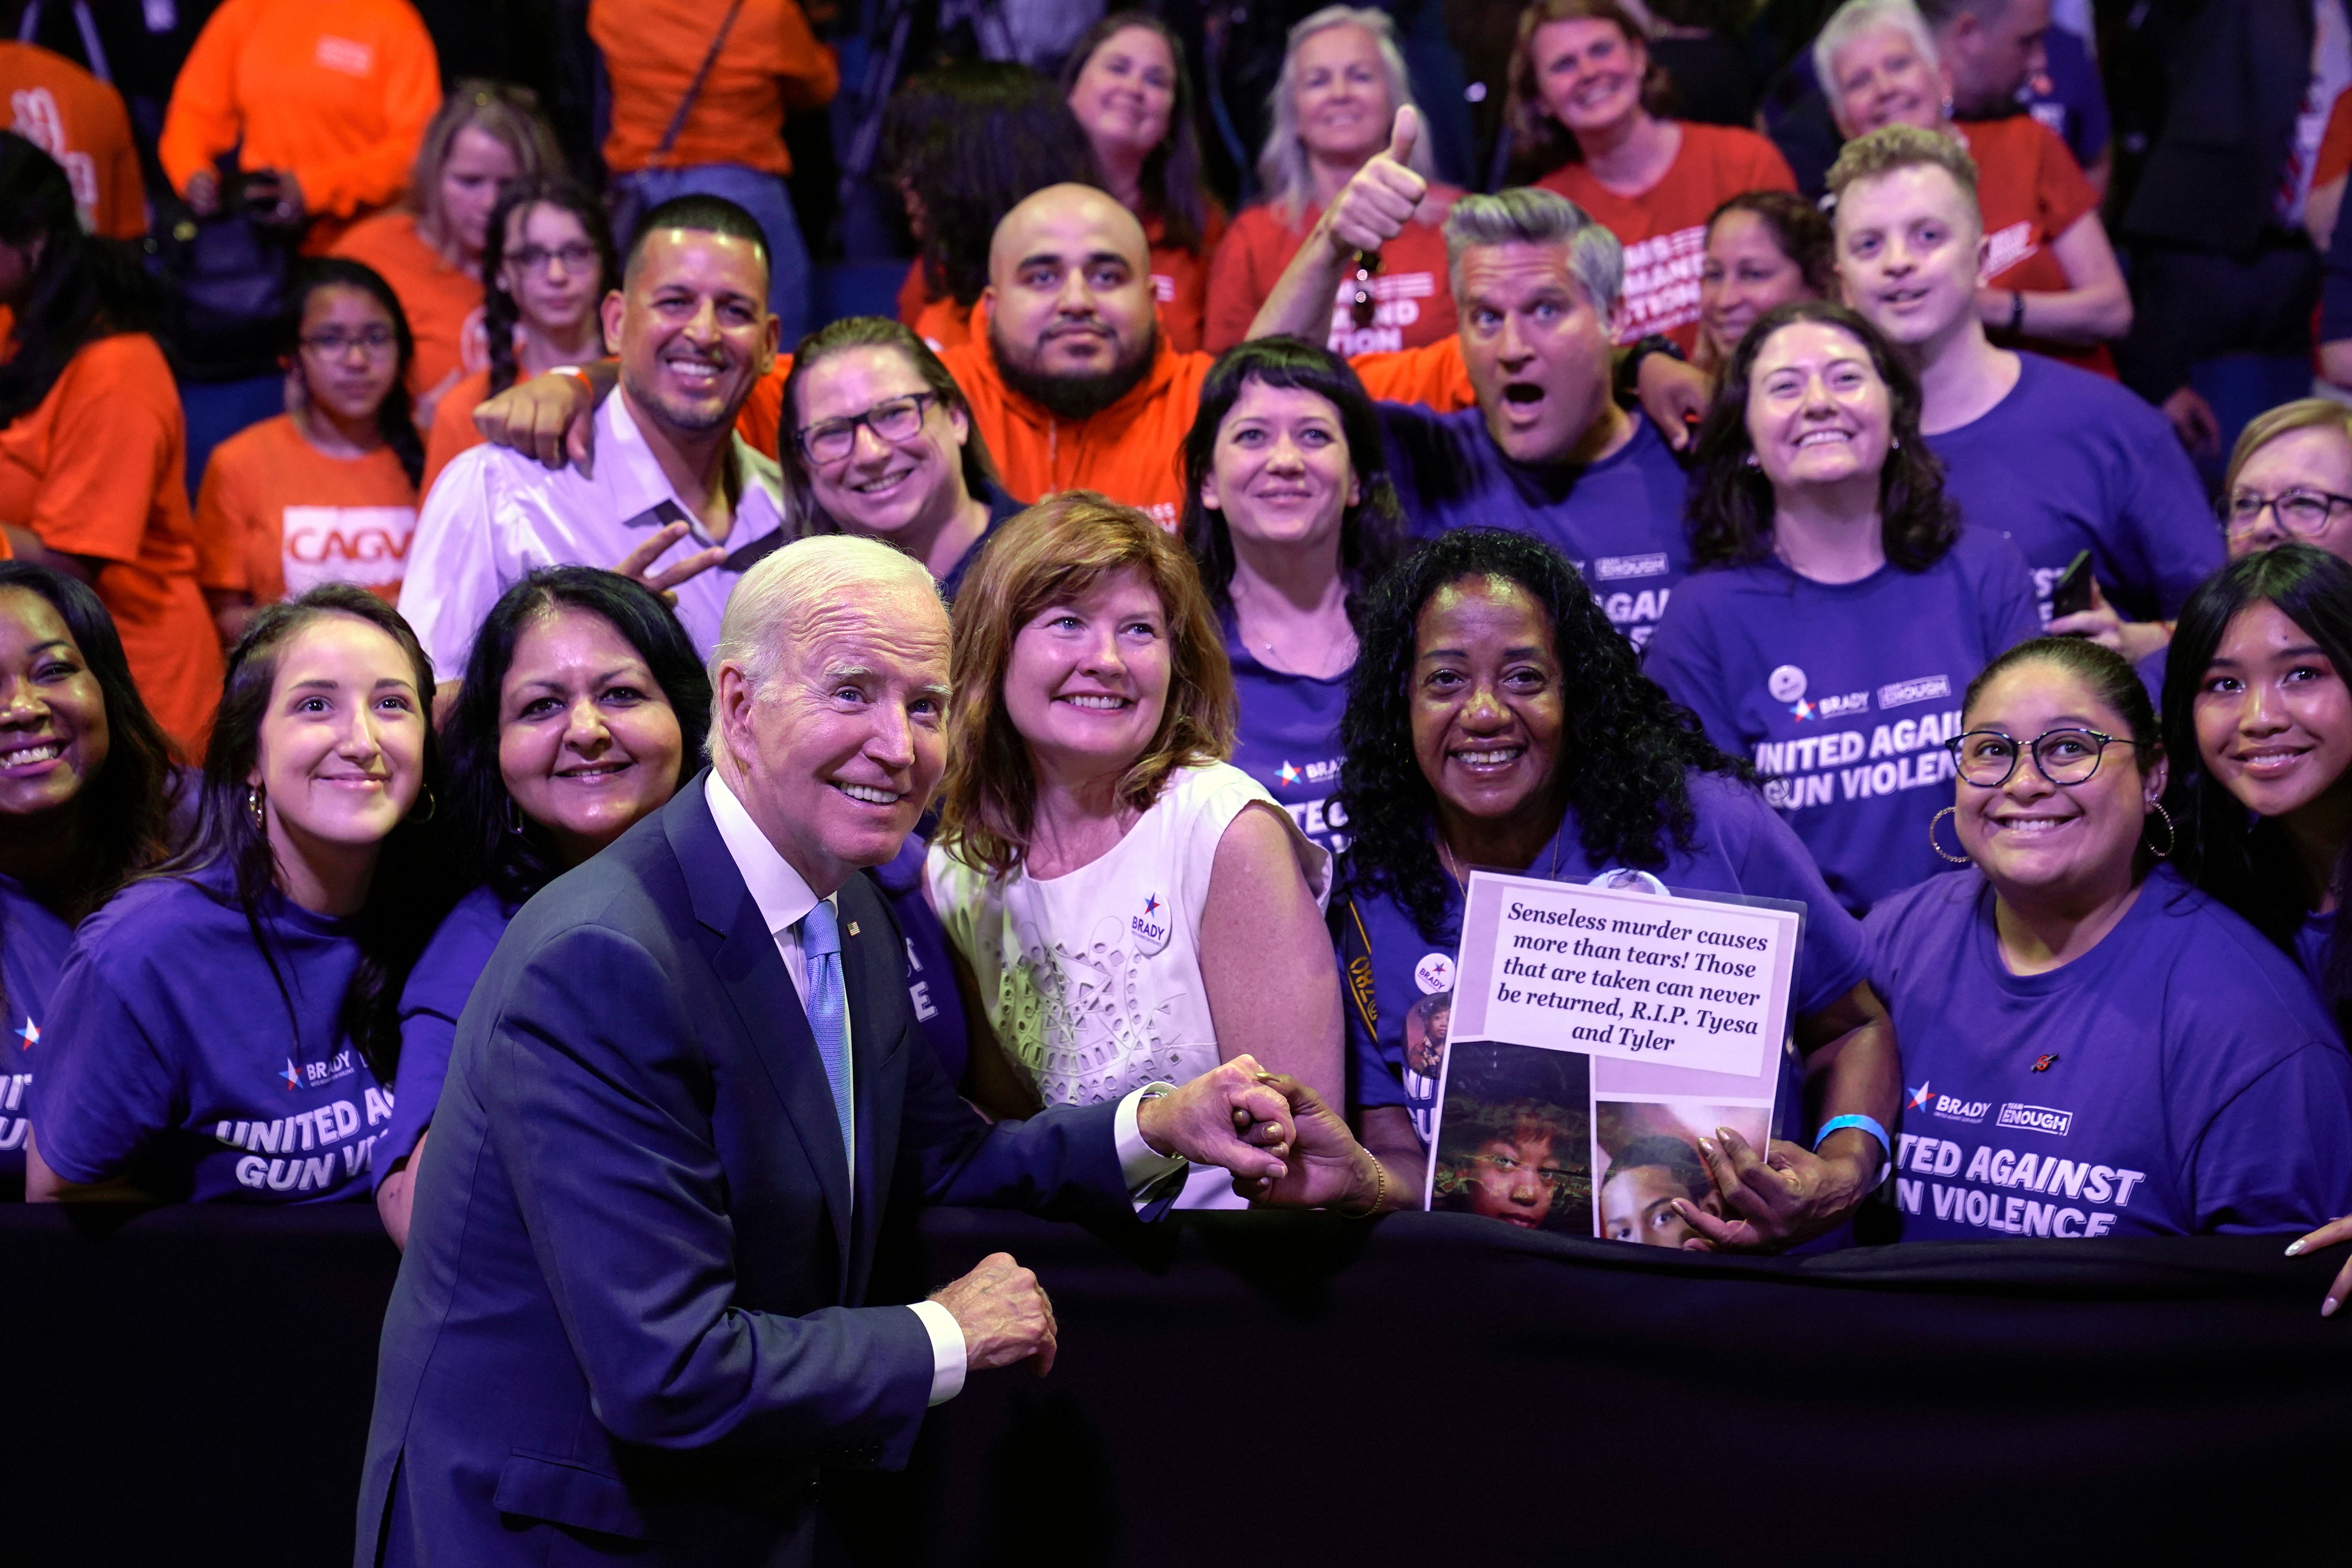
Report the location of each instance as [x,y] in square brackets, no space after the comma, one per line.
[1282,169]
[1528,214]
[1855,17]
[774,597]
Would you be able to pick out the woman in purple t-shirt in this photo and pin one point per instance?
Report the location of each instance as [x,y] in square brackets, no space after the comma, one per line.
[1496,719]
[220,1022]
[1840,605]
[1289,511]
[87,790]
[583,710]
[2091,1045]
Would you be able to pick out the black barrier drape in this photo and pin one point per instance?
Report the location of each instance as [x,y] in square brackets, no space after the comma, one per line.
[193,1385]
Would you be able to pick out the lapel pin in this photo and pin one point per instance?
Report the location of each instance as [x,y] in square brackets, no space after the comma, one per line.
[852,928]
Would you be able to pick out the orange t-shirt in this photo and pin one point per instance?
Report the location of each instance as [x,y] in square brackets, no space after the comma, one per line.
[80,120]
[769,63]
[443,304]
[1413,303]
[292,517]
[1180,287]
[2030,191]
[453,425]
[1434,375]
[336,90]
[99,469]
[1664,229]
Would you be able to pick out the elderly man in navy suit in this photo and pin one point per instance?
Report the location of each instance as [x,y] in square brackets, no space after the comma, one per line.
[629,1322]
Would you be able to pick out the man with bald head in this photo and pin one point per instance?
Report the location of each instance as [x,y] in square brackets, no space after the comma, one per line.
[690,320]
[630,1323]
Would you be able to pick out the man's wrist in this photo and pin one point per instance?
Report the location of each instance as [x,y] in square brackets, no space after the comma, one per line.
[1151,1120]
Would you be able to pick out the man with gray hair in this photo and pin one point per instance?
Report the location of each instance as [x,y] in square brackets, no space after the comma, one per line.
[1545,451]
[630,1323]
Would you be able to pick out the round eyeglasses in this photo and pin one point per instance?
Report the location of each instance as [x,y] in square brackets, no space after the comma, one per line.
[898,419]
[2298,511]
[1988,759]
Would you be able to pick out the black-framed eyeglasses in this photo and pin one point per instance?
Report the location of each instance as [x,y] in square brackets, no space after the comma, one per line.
[577,256]
[1988,759]
[2300,510]
[374,340]
[896,419]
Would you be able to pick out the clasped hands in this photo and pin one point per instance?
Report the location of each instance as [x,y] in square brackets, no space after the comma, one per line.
[1285,1146]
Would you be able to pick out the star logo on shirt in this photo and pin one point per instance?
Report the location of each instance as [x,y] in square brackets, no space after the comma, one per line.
[1801,709]
[1152,903]
[292,1075]
[1289,773]
[1919,1098]
[30,1034]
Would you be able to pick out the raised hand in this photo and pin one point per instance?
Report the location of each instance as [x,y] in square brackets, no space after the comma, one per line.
[1229,1117]
[1326,1168]
[1382,196]
[1004,1313]
[638,564]
[550,417]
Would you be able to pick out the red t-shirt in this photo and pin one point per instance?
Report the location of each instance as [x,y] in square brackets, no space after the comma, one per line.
[291,517]
[1664,229]
[100,468]
[1413,303]
[2030,191]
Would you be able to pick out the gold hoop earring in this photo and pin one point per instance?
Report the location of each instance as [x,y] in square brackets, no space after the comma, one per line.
[253,799]
[1951,811]
[2171,833]
[431,805]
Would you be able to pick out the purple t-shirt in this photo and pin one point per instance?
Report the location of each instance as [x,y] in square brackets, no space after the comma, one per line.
[2178,1079]
[2070,461]
[930,974]
[1289,739]
[1842,694]
[173,1055]
[1620,520]
[429,1004]
[1395,977]
[33,943]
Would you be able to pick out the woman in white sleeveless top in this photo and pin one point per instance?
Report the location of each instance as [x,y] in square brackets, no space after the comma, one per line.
[1130,907]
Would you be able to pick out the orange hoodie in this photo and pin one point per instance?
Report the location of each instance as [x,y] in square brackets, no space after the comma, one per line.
[336,90]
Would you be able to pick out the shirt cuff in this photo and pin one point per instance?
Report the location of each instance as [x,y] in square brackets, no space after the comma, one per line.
[1144,1170]
[946,1349]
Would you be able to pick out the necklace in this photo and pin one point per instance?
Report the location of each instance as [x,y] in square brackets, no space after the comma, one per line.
[1446,853]
[1275,660]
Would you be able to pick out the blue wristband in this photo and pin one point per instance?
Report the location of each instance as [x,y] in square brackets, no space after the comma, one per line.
[1868,1125]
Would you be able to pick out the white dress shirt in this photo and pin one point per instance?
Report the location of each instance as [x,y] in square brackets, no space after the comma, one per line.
[495,515]
[784,898]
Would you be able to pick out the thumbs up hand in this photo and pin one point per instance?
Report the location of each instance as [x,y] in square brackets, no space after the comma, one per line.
[1381,199]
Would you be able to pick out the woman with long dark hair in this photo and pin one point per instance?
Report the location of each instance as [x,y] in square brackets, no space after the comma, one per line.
[1128,90]
[1290,514]
[1838,606]
[583,710]
[1496,720]
[87,789]
[226,1025]
[325,492]
[2161,1069]
[547,264]
[93,443]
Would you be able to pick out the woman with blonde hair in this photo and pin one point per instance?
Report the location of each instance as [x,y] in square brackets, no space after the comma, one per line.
[429,249]
[1127,906]
[1333,109]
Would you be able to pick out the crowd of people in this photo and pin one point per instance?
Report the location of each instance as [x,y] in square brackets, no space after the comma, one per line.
[1642,514]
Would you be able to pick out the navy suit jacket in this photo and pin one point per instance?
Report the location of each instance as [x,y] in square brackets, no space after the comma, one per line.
[628,1325]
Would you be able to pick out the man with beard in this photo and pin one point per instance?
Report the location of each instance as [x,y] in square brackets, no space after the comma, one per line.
[691,319]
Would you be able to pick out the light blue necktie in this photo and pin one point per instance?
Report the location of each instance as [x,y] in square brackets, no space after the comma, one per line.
[820,945]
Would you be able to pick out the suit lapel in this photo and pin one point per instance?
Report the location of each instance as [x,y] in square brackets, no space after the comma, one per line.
[867,962]
[753,976]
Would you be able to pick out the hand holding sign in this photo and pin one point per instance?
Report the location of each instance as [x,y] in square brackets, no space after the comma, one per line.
[1774,1201]
[1384,195]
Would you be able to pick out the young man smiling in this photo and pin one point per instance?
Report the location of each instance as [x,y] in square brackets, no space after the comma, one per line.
[695,335]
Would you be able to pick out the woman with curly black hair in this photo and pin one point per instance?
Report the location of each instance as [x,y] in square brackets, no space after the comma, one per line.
[1838,608]
[1291,517]
[1496,720]
[583,710]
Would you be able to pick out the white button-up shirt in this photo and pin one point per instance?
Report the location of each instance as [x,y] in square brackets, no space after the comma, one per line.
[785,899]
[496,515]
